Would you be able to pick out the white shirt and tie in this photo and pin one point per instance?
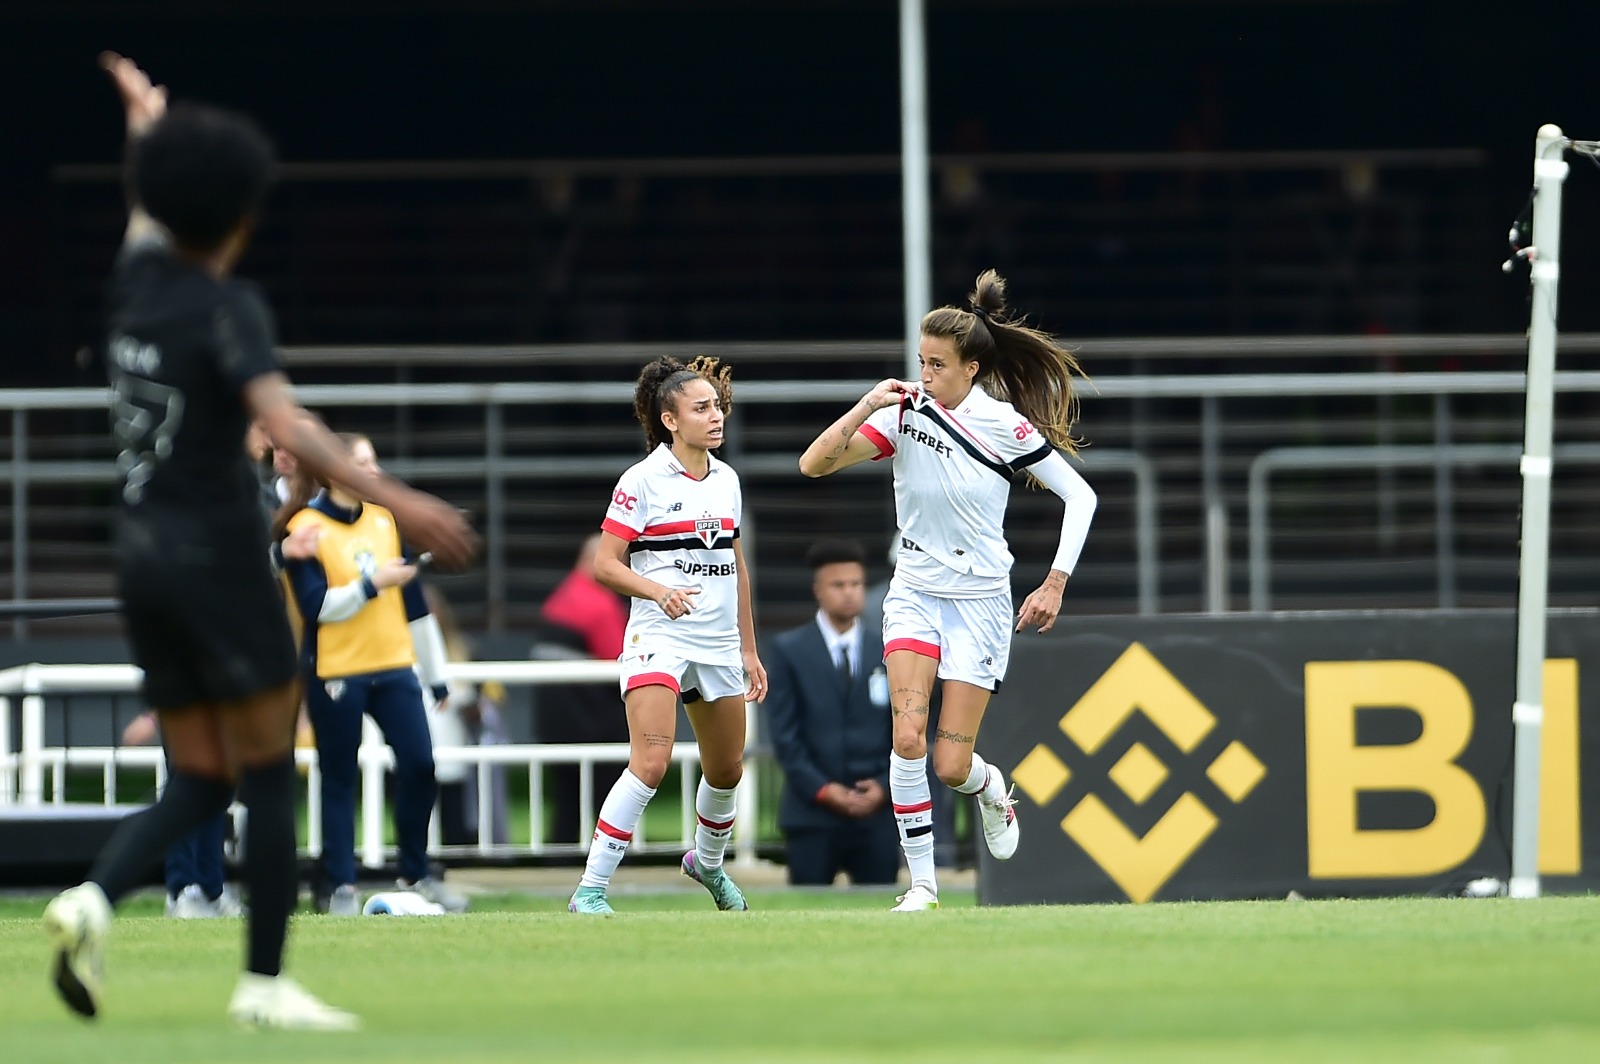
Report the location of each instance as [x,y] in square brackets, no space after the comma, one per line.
[844,648]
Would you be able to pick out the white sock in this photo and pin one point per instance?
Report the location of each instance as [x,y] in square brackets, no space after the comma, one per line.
[994,781]
[977,776]
[715,807]
[913,814]
[619,815]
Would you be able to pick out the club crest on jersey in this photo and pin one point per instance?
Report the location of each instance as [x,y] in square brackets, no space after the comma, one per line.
[708,529]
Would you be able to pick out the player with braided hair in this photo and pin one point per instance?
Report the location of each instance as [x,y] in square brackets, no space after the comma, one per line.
[670,542]
[995,401]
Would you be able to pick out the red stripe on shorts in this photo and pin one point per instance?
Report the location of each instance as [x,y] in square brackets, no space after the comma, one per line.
[916,646]
[646,679]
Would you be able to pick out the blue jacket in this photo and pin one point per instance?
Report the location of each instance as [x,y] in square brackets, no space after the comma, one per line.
[821,733]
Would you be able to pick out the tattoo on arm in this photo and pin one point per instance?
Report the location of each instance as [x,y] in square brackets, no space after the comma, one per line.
[654,739]
[955,737]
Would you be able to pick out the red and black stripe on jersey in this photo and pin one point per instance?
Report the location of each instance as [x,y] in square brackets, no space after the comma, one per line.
[682,535]
[958,434]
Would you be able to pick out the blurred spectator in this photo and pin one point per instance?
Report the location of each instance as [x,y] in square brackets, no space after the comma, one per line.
[581,619]
[828,710]
[194,865]
[470,716]
[366,625]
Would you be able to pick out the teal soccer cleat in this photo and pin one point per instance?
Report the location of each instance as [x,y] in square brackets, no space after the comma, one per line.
[724,892]
[590,901]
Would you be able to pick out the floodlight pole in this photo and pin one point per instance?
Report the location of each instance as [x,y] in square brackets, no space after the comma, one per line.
[1527,712]
[914,177]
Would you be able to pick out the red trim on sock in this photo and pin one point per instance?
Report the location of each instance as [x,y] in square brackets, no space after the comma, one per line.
[714,826]
[616,833]
[647,679]
[916,646]
[920,807]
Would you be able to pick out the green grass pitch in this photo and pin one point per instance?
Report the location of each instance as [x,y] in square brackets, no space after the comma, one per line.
[833,977]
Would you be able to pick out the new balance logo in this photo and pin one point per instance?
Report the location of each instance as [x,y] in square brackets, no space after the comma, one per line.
[675,507]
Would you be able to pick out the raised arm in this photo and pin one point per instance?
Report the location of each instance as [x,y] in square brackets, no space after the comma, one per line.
[142,103]
[425,521]
[843,444]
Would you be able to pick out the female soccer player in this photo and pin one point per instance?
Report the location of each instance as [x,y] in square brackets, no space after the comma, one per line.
[995,399]
[670,541]
[192,362]
[365,623]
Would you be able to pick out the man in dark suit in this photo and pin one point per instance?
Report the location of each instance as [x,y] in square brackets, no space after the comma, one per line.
[828,710]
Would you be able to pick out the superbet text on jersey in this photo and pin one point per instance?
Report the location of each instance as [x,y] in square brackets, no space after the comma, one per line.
[680,533]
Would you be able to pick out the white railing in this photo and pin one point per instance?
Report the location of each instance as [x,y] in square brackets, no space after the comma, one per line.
[25,762]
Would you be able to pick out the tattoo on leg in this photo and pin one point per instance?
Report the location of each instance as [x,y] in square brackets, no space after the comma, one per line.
[653,739]
[955,737]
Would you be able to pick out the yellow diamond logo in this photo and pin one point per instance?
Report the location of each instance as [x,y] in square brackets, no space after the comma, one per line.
[1139,773]
[1138,683]
[1236,771]
[1140,866]
[1041,775]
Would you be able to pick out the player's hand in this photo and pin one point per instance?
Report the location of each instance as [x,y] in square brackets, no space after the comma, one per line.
[887,393]
[435,525]
[142,102]
[396,572]
[301,544]
[677,602]
[1041,607]
[755,675]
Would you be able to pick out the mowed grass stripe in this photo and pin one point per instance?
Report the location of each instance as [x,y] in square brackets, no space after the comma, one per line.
[1408,979]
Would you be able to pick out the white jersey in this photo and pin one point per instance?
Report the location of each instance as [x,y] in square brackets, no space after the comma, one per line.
[680,533]
[952,481]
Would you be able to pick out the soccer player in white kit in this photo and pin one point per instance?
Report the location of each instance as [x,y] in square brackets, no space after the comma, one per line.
[995,400]
[670,541]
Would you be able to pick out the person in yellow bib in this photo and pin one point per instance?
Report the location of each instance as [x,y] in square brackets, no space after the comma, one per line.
[366,624]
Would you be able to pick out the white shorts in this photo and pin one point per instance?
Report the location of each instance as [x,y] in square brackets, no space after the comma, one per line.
[693,680]
[970,638]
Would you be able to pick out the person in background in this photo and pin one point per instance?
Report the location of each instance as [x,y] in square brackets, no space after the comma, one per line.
[365,625]
[582,618]
[828,710]
[469,716]
[196,881]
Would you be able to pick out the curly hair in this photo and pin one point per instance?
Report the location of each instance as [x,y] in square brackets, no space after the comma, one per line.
[663,380]
[1022,365]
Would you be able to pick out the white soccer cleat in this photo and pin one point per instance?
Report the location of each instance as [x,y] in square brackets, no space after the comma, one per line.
[918,899]
[77,921]
[1000,829]
[192,904]
[280,1003]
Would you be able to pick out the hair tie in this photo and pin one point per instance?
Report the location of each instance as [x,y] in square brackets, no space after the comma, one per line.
[982,314]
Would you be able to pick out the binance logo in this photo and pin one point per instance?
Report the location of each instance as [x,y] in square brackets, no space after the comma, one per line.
[1137,682]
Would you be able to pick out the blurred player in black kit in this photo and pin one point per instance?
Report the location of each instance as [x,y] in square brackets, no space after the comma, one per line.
[191,354]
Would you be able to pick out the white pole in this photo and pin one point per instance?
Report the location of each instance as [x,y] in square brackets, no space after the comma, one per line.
[914,177]
[1527,712]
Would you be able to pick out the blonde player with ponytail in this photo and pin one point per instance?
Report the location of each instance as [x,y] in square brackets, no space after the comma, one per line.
[995,401]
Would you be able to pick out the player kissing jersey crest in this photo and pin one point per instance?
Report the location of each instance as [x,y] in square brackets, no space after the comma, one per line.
[649,509]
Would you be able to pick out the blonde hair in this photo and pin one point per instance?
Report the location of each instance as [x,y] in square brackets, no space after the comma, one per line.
[1021,365]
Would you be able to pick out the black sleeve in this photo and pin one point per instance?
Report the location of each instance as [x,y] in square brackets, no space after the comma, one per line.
[246,338]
